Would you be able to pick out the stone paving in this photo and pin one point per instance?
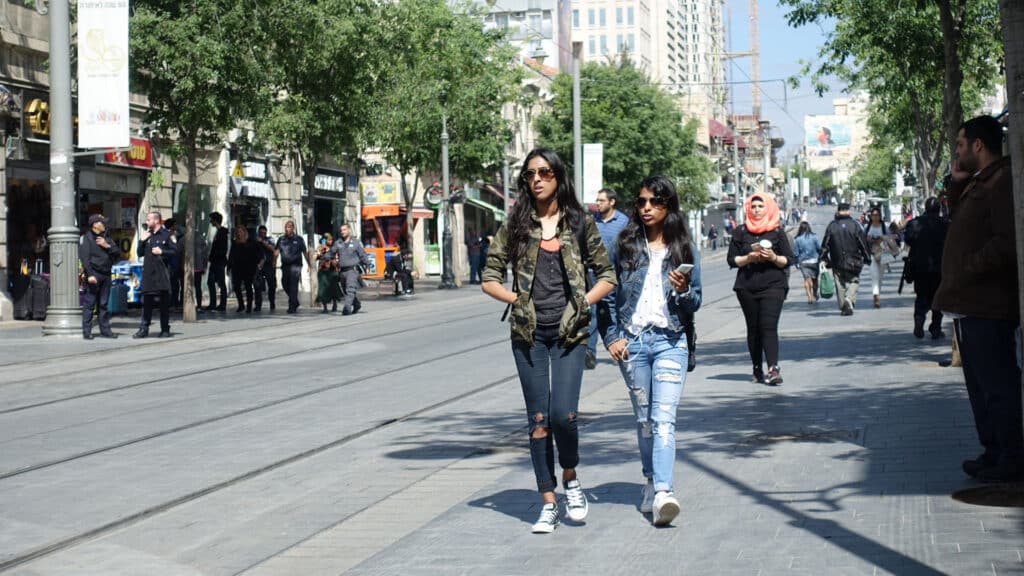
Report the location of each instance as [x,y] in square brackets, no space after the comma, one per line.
[400,450]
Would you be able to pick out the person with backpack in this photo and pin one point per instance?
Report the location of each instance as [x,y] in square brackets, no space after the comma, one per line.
[551,245]
[807,250]
[844,251]
[659,290]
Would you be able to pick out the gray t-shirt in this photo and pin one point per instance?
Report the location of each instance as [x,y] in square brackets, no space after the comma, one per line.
[550,288]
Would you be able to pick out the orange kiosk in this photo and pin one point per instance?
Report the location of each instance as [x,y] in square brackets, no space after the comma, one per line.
[385,226]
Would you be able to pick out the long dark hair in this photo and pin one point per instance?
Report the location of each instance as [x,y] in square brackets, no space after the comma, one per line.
[805,228]
[520,221]
[632,247]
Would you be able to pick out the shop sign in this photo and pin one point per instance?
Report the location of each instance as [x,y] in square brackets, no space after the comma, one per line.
[379,192]
[140,155]
[254,170]
[329,184]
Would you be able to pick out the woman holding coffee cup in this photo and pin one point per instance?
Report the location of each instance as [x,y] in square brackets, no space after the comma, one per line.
[761,251]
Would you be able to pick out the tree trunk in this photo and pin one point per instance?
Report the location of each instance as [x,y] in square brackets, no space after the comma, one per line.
[188,306]
[1012,15]
[951,17]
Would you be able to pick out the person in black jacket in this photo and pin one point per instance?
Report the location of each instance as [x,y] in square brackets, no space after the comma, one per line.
[243,263]
[217,263]
[844,251]
[761,251]
[97,253]
[926,236]
[399,269]
[157,245]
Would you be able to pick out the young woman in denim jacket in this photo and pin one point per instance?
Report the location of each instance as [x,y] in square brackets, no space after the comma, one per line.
[550,244]
[644,331]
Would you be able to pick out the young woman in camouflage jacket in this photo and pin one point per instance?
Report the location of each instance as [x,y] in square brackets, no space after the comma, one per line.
[550,243]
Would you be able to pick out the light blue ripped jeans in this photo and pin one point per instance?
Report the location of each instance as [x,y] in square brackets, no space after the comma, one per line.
[655,373]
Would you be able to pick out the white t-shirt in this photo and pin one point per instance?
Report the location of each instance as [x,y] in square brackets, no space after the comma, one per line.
[652,309]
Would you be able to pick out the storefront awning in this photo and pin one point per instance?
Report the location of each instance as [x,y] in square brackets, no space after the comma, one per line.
[718,130]
[499,214]
[419,213]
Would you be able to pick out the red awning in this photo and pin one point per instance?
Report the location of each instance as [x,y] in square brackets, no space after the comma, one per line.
[718,130]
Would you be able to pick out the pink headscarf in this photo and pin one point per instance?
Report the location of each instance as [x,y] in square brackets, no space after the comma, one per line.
[768,221]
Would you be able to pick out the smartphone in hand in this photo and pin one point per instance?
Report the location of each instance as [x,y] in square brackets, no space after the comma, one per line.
[684,268]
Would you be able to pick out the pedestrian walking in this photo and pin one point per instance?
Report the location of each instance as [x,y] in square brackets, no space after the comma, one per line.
[979,288]
[290,251]
[243,262]
[844,252]
[657,265]
[200,251]
[713,237]
[217,264]
[351,257]
[328,280]
[175,264]
[807,250]
[926,237]
[156,247]
[877,237]
[97,253]
[550,244]
[474,249]
[760,250]
[610,222]
[266,274]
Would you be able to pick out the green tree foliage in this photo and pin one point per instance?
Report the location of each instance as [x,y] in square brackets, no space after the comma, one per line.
[642,130]
[200,69]
[874,171]
[320,79]
[438,62]
[919,72]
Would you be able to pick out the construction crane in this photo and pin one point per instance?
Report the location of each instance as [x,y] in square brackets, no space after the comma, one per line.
[755,59]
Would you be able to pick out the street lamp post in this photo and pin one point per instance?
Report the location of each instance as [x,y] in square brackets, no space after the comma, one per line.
[447,276]
[63,316]
[766,148]
[577,138]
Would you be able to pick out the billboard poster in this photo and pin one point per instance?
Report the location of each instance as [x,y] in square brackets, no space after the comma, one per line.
[103,74]
[593,171]
[379,192]
[825,135]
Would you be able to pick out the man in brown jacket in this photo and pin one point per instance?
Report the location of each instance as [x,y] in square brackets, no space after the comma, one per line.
[979,289]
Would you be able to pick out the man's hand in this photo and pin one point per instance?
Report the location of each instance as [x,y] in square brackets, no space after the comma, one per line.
[101,242]
[157,251]
[144,234]
[91,279]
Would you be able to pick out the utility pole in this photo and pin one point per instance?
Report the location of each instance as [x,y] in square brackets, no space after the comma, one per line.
[739,176]
[447,276]
[766,148]
[63,316]
[577,137]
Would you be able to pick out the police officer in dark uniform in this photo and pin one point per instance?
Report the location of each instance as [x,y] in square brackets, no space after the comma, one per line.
[217,264]
[351,255]
[290,251]
[157,245]
[97,252]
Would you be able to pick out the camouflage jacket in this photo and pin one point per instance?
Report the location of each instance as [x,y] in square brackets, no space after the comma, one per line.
[575,325]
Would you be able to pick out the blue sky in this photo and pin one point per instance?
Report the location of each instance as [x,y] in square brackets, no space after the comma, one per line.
[782,49]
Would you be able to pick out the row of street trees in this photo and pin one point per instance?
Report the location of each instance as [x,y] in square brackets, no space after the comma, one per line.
[641,127]
[318,78]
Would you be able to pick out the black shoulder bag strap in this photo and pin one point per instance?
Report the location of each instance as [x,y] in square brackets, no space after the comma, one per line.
[515,288]
[581,239]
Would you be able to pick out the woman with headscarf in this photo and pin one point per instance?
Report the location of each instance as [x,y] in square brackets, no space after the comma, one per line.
[328,284]
[761,251]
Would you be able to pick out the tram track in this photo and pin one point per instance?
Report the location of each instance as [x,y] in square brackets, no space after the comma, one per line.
[123,522]
[164,378]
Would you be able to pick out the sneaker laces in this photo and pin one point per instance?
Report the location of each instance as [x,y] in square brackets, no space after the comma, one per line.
[575,496]
[548,514]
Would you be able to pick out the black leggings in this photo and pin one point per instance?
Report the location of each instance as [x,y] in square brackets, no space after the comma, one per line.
[762,311]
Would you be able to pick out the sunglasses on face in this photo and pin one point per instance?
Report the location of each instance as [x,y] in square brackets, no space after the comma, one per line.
[546,174]
[655,201]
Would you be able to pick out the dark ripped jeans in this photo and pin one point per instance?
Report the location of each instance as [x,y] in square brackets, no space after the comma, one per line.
[550,376]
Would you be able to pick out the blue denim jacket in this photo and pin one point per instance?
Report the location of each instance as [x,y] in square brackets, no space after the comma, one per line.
[614,314]
[806,247]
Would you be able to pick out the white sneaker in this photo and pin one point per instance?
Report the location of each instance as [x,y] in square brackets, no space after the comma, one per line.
[647,503]
[548,520]
[576,506]
[666,508]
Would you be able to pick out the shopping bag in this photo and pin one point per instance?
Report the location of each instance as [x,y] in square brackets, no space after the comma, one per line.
[826,283]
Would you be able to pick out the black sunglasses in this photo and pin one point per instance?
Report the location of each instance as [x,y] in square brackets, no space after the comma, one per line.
[655,201]
[546,174]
